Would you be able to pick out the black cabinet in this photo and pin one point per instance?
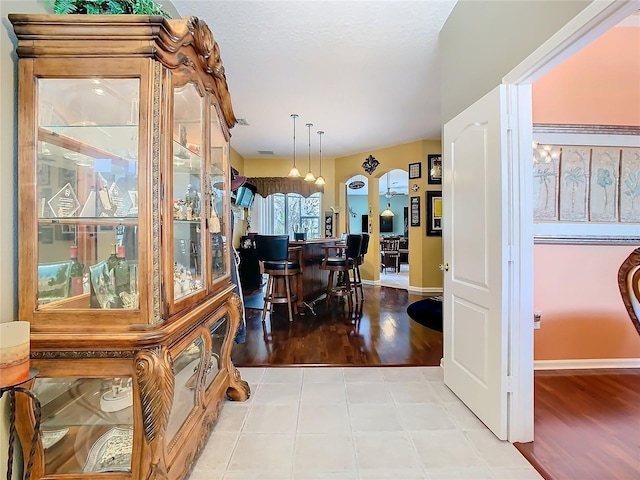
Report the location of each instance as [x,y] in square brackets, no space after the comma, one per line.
[249,267]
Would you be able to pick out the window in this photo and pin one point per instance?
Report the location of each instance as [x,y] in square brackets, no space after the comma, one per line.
[285,214]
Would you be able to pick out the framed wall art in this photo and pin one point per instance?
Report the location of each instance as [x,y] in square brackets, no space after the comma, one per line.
[434,163]
[415,211]
[434,213]
[415,170]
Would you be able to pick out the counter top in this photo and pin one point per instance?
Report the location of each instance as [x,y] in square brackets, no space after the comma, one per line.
[314,241]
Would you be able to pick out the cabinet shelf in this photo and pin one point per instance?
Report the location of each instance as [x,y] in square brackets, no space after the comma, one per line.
[81,146]
[90,221]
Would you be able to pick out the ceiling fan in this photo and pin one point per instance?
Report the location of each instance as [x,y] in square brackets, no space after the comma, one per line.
[389,193]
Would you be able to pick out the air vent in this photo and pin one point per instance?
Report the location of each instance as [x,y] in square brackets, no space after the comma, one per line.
[265,152]
[243,122]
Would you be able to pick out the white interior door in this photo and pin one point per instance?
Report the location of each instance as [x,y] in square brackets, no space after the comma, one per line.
[474,239]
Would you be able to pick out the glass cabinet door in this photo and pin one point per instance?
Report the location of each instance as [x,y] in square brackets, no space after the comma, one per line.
[87,424]
[219,223]
[187,368]
[188,205]
[87,193]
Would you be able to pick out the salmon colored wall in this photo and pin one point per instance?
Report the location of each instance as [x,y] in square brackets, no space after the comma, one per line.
[576,287]
[583,317]
[599,85]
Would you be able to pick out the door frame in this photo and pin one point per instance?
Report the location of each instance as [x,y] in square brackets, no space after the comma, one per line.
[593,21]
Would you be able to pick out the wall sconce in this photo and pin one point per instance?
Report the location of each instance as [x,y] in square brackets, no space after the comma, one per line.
[370,164]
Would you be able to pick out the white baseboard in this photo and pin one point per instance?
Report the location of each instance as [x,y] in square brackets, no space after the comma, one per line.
[413,289]
[371,282]
[581,364]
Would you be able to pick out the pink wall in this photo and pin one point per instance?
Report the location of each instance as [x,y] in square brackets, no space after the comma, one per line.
[599,85]
[576,287]
[583,317]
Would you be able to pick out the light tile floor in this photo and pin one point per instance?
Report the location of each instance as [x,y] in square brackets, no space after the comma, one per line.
[389,278]
[355,423]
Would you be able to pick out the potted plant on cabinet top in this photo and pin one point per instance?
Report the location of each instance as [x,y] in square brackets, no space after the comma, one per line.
[114,7]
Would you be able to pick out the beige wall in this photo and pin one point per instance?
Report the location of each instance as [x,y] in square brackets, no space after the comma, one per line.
[425,253]
[483,40]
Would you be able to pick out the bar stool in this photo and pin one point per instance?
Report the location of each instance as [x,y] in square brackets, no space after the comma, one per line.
[273,255]
[342,287]
[357,279]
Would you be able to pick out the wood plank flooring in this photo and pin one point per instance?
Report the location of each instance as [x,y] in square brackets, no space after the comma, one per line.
[381,334]
[587,423]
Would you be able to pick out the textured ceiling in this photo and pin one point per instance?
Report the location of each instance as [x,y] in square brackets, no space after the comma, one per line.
[364,72]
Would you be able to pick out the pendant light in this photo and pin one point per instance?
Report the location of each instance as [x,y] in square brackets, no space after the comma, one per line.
[387,212]
[320,179]
[309,177]
[294,172]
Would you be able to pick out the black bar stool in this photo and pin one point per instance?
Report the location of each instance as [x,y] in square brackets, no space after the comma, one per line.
[357,279]
[342,287]
[273,255]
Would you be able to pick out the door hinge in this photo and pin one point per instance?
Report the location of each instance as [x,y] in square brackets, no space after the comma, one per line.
[509,122]
[509,384]
[509,253]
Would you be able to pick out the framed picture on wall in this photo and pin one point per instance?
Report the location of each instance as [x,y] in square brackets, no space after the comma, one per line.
[434,213]
[415,211]
[434,163]
[415,170]
[328,224]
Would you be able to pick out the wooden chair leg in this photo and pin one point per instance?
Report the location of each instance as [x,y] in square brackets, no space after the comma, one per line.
[329,288]
[267,297]
[288,292]
[349,291]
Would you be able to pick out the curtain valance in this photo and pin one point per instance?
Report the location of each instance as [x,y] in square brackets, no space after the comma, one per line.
[269,185]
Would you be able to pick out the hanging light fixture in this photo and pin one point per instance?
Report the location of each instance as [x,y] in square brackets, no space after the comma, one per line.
[294,172]
[320,180]
[387,212]
[309,177]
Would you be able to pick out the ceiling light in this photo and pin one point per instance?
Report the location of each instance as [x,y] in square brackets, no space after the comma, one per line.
[309,177]
[387,212]
[294,172]
[320,180]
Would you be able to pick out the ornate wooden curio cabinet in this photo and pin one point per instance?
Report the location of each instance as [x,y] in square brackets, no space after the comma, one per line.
[124,231]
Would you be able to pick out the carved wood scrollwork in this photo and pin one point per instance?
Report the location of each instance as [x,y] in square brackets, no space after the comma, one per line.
[238,390]
[154,374]
[629,284]
[174,53]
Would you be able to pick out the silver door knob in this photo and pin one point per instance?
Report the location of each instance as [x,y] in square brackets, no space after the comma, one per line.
[444,267]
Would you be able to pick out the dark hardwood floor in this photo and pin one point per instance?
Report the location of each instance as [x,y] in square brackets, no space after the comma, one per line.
[381,334]
[587,425]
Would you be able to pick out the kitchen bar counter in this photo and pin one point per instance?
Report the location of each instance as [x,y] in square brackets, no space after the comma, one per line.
[313,281]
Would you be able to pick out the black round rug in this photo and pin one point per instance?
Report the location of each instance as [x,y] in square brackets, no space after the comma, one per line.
[427,312]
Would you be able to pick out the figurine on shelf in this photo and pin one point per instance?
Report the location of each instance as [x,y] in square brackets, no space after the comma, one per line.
[177,209]
[192,199]
[119,397]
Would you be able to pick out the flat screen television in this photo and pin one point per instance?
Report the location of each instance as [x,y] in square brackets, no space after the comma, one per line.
[386,224]
[245,196]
